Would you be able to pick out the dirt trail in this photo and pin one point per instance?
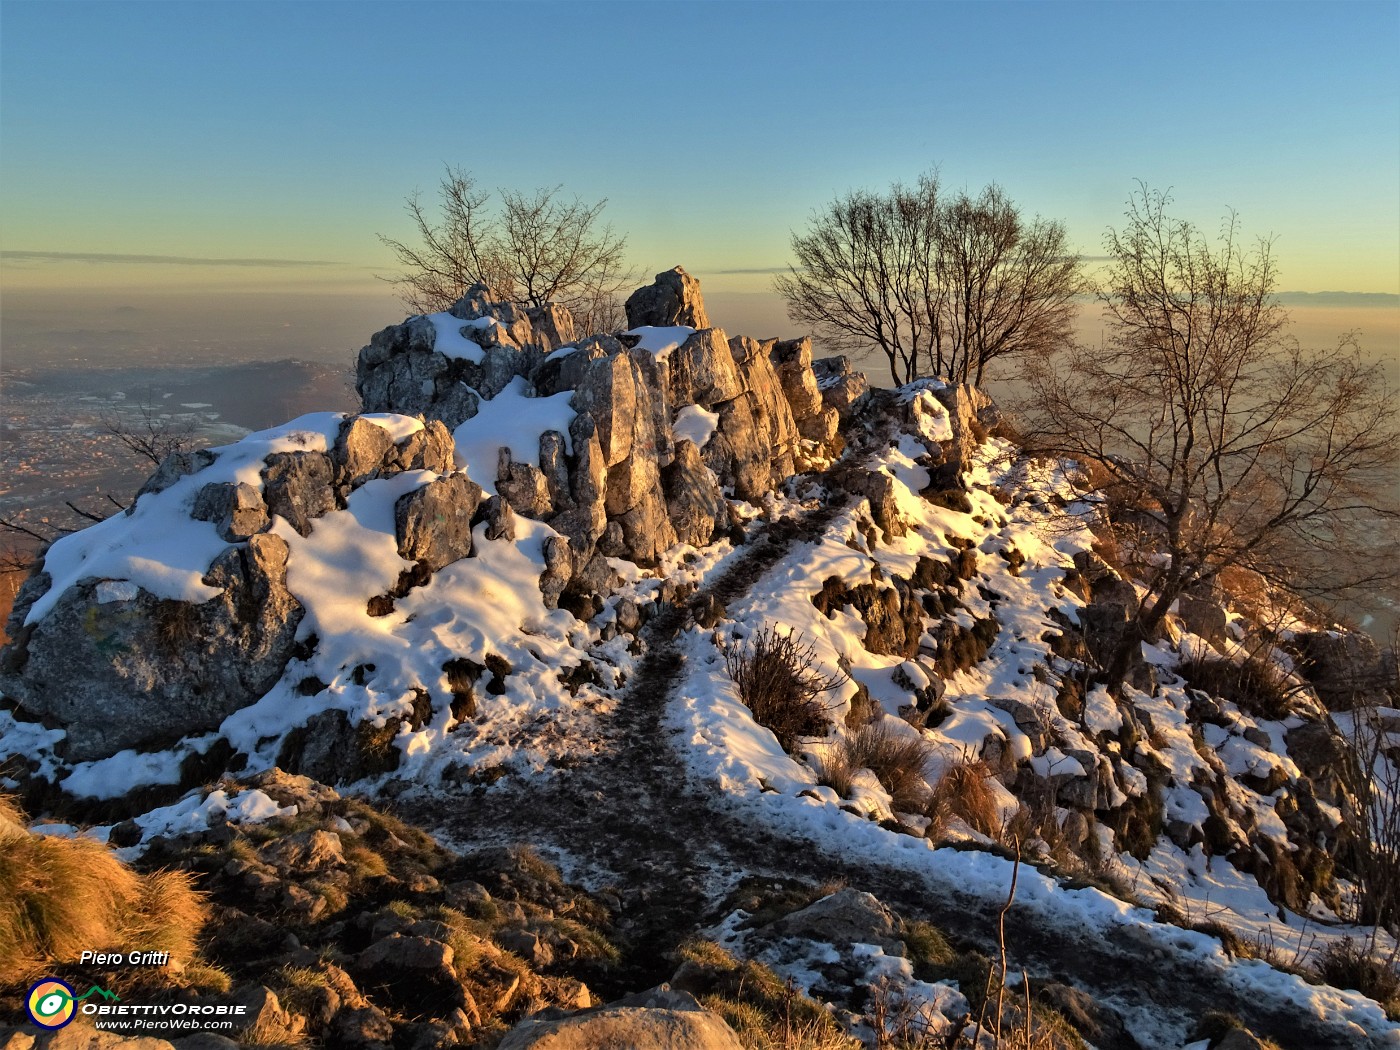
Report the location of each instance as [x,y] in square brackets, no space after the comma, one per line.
[627,818]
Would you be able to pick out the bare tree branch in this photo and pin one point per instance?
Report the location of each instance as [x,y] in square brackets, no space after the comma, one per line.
[535,249]
[1205,420]
[940,287]
[153,435]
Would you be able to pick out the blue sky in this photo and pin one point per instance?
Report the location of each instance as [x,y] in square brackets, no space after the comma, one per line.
[293,131]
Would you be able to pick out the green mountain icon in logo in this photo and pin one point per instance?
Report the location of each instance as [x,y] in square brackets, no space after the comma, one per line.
[111,997]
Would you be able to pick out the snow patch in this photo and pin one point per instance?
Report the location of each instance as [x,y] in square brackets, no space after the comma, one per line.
[511,420]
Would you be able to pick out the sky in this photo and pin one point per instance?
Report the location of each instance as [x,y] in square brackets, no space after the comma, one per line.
[231,151]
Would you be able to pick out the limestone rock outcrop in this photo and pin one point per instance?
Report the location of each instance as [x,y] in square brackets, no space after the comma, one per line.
[613,484]
[123,667]
[674,299]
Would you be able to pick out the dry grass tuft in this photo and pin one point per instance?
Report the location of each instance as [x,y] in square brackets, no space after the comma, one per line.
[1349,963]
[964,791]
[899,762]
[59,897]
[836,771]
[764,1011]
[1256,686]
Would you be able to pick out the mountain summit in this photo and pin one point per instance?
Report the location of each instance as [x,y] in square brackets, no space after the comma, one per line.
[792,679]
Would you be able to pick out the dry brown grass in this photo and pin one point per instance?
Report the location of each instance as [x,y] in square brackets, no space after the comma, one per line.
[1348,963]
[836,770]
[764,1011]
[60,897]
[899,762]
[1255,685]
[964,791]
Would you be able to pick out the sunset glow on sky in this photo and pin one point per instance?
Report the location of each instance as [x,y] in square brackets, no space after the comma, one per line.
[145,146]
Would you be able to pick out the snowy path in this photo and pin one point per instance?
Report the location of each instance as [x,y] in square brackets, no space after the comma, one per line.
[628,818]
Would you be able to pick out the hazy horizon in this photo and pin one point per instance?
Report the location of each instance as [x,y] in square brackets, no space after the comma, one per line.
[107,328]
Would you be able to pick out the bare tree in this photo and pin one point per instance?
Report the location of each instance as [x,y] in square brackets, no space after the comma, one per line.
[531,250]
[939,287]
[1005,287]
[1220,441]
[152,435]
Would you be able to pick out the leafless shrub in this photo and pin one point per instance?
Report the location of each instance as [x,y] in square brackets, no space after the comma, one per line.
[151,435]
[778,680]
[1349,963]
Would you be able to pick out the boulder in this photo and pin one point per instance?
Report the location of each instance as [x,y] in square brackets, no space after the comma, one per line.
[892,613]
[846,917]
[564,371]
[172,468]
[402,371]
[361,451]
[524,487]
[554,467]
[1202,617]
[297,485]
[821,427]
[499,365]
[139,670]
[770,407]
[646,530]
[364,1027]
[737,453]
[655,373]
[558,569]
[792,360]
[702,370]
[237,511]
[431,448]
[841,385]
[1345,667]
[658,1020]
[415,973]
[607,392]
[967,406]
[694,502]
[433,524]
[631,481]
[589,476]
[303,851]
[551,326]
[499,518]
[880,490]
[672,299]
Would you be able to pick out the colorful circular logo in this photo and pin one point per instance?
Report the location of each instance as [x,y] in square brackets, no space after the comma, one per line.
[50,1003]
